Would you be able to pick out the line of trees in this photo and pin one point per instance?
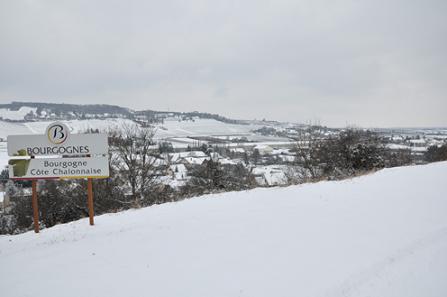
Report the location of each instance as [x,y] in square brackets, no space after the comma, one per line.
[435,153]
[349,153]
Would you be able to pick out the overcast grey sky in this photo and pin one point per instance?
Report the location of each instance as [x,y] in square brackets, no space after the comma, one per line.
[368,63]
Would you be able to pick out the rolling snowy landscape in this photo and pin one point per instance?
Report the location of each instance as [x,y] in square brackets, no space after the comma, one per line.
[223,148]
[383,234]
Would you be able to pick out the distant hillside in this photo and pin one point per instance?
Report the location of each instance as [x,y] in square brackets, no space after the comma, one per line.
[67,108]
[17,111]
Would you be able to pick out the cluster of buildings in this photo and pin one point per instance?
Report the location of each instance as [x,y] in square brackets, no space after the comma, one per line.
[267,164]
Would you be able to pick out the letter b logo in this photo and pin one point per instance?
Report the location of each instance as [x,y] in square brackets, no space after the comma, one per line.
[57,133]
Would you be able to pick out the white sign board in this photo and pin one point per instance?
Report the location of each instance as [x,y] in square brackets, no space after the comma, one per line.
[57,141]
[47,168]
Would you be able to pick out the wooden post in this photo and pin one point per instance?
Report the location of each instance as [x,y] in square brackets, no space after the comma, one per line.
[91,211]
[35,206]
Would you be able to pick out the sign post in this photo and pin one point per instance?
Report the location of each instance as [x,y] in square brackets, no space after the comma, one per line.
[91,211]
[35,206]
[60,155]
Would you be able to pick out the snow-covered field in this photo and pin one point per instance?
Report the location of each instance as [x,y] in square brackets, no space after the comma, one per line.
[176,132]
[379,235]
[80,126]
[169,129]
[6,113]
[202,127]
[206,127]
[7,128]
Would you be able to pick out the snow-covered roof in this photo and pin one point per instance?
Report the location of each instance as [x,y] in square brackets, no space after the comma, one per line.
[195,160]
[286,158]
[397,137]
[420,149]
[271,175]
[238,150]
[419,141]
[394,146]
[160,162]
[175,157]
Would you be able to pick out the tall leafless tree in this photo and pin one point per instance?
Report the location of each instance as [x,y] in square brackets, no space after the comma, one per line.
[137,158]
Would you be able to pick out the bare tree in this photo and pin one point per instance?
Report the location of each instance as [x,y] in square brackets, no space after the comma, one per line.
[307,150]
[138,158]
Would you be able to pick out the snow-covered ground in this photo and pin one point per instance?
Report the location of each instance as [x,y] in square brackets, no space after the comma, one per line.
[80,126]
[17,115]
[202,127]
[379,235]
[169,129]
[76,126]
[7,128]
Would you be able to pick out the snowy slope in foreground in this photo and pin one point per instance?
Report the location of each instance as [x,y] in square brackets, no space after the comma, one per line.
[380,235]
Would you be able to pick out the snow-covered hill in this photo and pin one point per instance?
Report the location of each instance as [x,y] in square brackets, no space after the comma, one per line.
[379,235]
[174,131]
[173,128]
[16,115]
[7,128]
